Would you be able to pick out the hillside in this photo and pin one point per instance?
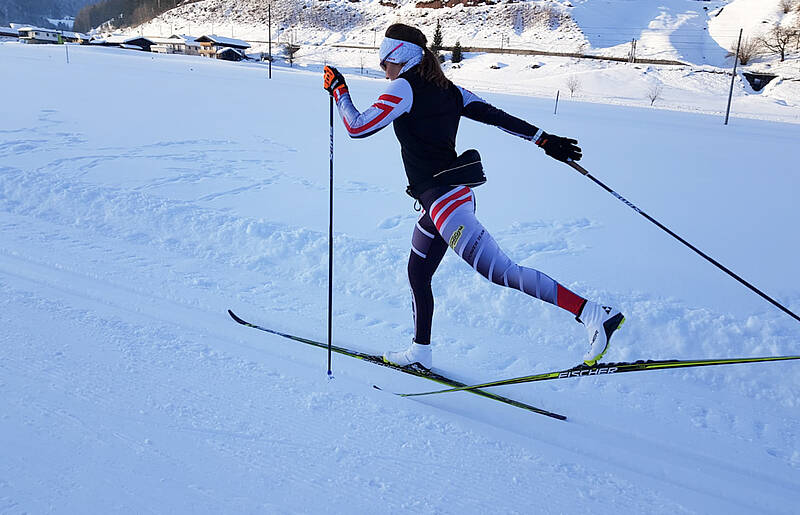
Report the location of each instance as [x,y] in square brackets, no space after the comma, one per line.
[694,31]
[697,33]
[39,12]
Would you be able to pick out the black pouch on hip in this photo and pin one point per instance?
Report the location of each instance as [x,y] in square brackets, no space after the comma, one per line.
[465,170]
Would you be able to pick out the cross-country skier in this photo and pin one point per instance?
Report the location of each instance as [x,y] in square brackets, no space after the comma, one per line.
[425,108]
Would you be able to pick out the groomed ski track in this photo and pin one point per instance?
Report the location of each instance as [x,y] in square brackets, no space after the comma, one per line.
[169,386]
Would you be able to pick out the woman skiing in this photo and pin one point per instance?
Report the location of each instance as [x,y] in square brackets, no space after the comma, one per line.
[425,108]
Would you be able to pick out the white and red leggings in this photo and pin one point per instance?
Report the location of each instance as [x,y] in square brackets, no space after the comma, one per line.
[448,219]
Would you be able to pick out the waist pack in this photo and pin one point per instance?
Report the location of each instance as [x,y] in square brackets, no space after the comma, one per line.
[466,170]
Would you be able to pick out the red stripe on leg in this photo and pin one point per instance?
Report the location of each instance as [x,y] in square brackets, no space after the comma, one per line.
[569,301]
[446,214]
[440,204]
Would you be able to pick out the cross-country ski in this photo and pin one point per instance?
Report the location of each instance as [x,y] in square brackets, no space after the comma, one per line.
[607,369]
[378,360]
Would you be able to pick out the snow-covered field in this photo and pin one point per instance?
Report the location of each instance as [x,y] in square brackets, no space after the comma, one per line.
[143,195]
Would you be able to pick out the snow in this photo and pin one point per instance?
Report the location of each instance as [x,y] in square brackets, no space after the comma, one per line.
[132,222]
[698,33]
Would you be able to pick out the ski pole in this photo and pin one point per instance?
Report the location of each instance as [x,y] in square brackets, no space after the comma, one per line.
[330,252]
[711,260]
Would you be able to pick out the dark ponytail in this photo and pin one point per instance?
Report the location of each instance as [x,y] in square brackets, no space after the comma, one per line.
[429,67]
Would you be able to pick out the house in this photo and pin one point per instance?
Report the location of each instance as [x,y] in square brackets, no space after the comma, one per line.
[231,54]
[9,32]
[138,43]
[74,37]
[167,46]
[124,41]
[210,45]
[38,35]
[176,44]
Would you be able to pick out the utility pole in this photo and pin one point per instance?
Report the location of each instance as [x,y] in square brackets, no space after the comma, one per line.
[733,76]
[269,22]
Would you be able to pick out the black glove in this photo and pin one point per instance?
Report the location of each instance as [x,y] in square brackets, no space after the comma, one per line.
[563,149]
[333,80]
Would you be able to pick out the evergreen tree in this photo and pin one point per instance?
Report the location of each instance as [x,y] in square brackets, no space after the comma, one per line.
[437,39]
[457,55]
[125,13]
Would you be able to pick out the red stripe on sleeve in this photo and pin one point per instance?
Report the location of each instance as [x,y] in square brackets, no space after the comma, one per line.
[358,130]
[390,98]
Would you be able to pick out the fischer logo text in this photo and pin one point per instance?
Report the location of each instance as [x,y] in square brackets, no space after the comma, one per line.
[587,372]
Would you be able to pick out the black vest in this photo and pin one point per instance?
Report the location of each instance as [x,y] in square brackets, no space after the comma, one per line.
[427,133]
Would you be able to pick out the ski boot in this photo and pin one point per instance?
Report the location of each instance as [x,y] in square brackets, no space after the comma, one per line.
[417,356]
[600,322]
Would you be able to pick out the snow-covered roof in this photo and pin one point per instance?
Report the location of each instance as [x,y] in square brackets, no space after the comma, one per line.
[28,28]
[219,40]
[166,41]
[117,39]
[183,37]
[75,35]
[230,49]
[9,31]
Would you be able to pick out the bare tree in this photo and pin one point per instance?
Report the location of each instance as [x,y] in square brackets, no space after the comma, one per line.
[573,85]
[778,40]
[654,93]
[748,49]
[786,5]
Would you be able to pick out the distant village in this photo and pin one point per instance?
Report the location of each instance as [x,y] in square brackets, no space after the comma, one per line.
[212,46]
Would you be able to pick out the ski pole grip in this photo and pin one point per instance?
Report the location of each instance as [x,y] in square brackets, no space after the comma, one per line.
[579,168]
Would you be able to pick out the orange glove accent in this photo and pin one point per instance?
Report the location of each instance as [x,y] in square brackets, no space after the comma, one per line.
[332,80]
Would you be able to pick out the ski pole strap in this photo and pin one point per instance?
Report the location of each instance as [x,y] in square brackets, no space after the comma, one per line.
[702,254]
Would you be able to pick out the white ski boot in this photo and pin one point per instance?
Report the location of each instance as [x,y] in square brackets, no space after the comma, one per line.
[417,354]
[600,322]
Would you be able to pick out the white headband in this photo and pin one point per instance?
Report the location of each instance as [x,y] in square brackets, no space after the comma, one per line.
[398,51]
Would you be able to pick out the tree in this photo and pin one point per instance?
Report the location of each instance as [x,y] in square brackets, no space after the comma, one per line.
[457,54]
[748,49]
[436,46]
[778,39]
[573,85]
[655,92]
[125,13]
